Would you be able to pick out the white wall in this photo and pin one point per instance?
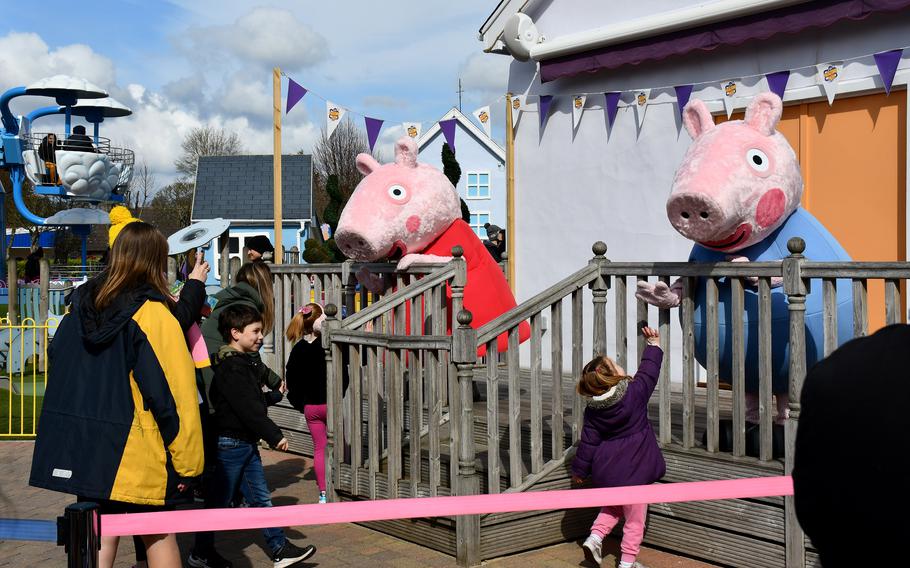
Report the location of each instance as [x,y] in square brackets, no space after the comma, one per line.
[472,155]
[612,185]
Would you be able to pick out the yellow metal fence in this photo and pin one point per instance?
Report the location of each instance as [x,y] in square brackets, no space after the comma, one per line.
[23,374]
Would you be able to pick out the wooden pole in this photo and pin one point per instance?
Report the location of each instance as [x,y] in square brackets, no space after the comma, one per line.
[276,163]
[510,193]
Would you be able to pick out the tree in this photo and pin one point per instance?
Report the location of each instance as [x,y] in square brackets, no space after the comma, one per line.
[316,252]
[171,207]
[336,155]
[143,186]
[206,141]
[452,170]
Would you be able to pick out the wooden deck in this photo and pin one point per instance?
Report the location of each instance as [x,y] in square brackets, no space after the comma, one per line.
[743,532]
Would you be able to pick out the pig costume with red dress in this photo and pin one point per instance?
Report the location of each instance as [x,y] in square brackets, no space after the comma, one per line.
[412,209]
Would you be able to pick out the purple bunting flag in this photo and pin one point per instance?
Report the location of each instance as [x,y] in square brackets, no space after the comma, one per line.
[777,82]
[374,125]
[543,107]
[887,62]
[611,105]
[295,93]
[683,92]
[448,130]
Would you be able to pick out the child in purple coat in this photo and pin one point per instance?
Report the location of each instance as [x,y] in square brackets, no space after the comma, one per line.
[617,445]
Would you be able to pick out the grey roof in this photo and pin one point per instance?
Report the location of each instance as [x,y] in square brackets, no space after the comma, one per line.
[239,188]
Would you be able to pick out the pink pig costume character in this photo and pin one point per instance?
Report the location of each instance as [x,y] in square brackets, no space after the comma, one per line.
[412,209]
[737,196]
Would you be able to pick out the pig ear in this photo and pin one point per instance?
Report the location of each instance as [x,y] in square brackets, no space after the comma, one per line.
[763,113]
[697,119]
[366,164]
[406,152]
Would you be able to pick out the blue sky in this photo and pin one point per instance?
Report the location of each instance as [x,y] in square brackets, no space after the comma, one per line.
[184,63]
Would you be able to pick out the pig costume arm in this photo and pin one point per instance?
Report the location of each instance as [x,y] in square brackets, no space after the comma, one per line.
[738,183]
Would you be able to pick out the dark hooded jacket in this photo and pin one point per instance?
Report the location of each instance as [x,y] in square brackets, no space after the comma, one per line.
[617,445]
[238,294]
[241,410]
[120,418]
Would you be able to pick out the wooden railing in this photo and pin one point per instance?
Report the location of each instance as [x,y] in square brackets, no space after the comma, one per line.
[412,375]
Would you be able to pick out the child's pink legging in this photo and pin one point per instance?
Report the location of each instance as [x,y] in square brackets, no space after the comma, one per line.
[315,420]
[632,532]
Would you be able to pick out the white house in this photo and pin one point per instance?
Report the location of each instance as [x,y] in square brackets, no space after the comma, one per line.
[482,161]
[611,183]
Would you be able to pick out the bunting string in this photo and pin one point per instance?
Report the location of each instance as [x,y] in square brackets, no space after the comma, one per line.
[828,76]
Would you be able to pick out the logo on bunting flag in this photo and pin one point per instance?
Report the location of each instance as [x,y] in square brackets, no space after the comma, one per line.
[578,107]
[830,75]
[641,105]
[729,89]
[412,129]
[518,104]
[333,115]
[483,117]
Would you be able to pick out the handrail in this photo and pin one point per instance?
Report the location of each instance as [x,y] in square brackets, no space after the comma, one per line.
[442,342]
[394,300]
[336,268]
[535,304]
[845,269]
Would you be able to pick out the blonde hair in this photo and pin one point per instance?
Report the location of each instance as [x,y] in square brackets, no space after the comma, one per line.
[598,376]
[139,256]
[302,323]
[258,275]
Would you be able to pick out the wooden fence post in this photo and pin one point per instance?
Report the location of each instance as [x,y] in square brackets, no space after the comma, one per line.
[599,288]
[234,268]
[333,387]
[464,355]
[796,289]
[224,258]
[171,270]
[348,286]
[44,291]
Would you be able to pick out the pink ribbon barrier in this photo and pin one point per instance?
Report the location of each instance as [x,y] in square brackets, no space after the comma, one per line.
[418,507]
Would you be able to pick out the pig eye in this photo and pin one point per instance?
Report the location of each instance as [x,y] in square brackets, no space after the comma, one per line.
[398,193]
[758,160]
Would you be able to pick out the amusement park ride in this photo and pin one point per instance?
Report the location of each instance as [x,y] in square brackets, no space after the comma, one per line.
[75,168]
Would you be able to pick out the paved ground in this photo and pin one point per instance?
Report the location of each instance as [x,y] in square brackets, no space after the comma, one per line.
[292,482]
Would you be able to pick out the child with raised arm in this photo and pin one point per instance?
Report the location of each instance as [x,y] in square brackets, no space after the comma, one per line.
[241,420]
[618,446]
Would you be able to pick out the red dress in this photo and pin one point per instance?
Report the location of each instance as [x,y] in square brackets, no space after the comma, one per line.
[486,294]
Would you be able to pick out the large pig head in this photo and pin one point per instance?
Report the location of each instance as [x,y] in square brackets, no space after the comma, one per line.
[739,180]
[398,208]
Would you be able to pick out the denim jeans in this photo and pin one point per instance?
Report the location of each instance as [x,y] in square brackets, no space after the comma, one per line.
[239,467]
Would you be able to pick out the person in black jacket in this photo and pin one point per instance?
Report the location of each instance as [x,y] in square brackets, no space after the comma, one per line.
[78,141]
[241,419]
[306,381]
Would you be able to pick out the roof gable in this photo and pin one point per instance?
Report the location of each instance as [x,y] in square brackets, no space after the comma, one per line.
[239,188]
[470,127]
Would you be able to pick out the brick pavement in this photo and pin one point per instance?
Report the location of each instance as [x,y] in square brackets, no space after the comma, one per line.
[292,481]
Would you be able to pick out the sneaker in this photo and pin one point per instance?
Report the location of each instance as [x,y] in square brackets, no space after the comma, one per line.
[592,546]
[211,560]
[290,554]
[322,497]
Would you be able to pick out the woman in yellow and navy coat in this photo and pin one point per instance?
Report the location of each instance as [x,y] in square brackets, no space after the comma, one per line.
[120,421]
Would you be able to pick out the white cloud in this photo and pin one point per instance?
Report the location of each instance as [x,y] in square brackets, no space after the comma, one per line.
[160,119]
[485,73]
[264,37]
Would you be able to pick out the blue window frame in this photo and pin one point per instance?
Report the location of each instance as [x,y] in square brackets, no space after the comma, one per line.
[478,186]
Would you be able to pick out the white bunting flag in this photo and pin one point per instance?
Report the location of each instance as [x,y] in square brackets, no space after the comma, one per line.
[333,116]
[412,129]
[642,97]
[829,74]
[518,105]
[728,90]
[578,107]
[482,115]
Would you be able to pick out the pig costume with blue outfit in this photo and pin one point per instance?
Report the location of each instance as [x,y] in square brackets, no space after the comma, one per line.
[737,196]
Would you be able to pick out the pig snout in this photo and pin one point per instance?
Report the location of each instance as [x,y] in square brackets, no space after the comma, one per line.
[696,216]
[355,245]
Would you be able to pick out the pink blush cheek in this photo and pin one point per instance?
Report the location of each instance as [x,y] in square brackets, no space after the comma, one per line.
[412,224]
[770,207]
